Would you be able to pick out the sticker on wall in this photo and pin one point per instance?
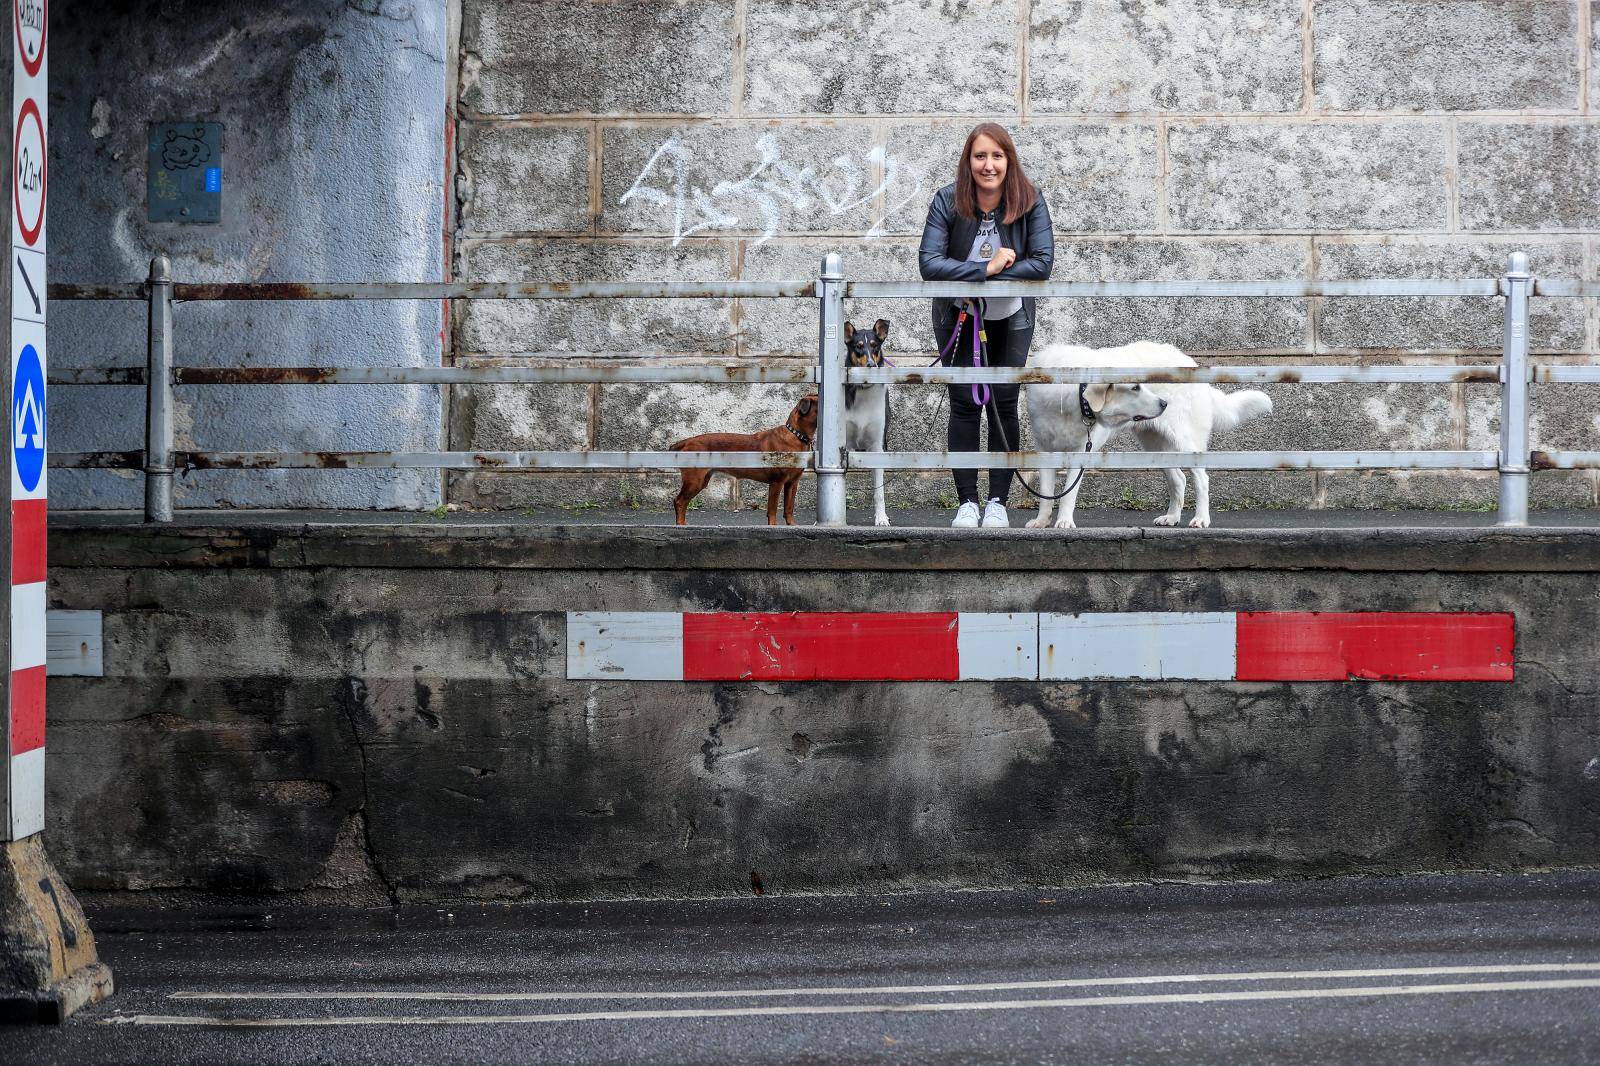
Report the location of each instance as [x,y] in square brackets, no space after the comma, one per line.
[185,172]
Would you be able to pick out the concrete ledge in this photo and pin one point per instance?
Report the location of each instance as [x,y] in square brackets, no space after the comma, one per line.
[291,542]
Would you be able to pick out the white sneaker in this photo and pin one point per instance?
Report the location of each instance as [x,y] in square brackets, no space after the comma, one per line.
[967,516]
[994,515]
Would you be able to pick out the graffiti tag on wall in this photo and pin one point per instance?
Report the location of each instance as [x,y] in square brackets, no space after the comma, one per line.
[759,200]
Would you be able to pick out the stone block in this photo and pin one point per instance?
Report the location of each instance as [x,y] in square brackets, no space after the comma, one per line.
[523,178]
[1164,55]
[1354,418]
[548,57]
[520,417]
[789,326]
[880,58]
[618,327]
[1529,177]
[1191,324]
[1095,177]
[1444,324]
[650,417]
[1326,176]
[1467,55]
[760,179]
[1594,49]
[1560,417]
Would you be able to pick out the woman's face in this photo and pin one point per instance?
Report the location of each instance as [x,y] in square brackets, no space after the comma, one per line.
[988,163]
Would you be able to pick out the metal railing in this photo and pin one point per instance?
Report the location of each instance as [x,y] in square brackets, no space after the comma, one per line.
[159,459]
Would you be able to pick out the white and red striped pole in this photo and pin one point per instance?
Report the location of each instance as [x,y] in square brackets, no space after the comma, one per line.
[48,965]
[26,441]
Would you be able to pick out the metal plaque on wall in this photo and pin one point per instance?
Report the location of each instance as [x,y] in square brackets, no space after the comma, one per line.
[185,172]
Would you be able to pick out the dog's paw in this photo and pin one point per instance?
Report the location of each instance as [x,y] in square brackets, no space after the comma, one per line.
[881,520]
[1168,519]
[1066,522]
[1200,522]
[1037,523]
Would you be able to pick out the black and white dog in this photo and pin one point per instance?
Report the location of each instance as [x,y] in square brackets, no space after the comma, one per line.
[866,407]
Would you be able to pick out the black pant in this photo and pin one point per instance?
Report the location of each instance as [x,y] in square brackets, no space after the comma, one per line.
[1005,347]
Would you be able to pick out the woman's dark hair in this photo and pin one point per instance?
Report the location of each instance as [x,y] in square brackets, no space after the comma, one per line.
[1018,194]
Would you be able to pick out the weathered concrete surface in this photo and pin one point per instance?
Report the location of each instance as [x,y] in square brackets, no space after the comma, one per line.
[333,170]
[48,965]
[1465,55]
[382,711]
[1164,55]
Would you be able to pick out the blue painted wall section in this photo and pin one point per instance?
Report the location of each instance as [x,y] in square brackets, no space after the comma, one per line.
[334,117]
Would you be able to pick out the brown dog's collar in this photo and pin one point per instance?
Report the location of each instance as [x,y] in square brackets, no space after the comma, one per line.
[801,437]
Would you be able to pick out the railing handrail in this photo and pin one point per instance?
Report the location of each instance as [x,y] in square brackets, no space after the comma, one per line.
[807,289]
[829,457]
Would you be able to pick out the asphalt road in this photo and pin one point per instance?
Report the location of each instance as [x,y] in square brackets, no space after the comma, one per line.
[1427,969]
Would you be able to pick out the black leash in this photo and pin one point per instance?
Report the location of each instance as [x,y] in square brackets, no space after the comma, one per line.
[980,351]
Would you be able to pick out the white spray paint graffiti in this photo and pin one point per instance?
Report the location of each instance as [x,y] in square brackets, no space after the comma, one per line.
[772,186]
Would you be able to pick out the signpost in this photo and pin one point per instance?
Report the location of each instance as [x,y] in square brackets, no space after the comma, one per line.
[30,183]
[48,966]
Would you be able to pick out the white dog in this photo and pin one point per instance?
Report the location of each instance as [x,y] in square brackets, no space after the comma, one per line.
[1176,418]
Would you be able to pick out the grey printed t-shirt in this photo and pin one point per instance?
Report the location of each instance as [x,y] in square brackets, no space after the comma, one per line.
[984,247]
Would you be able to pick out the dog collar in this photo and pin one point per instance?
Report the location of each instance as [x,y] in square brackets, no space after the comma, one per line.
[801,437]
[1083,404]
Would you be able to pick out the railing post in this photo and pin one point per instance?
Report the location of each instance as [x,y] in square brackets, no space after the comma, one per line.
[1514,395]
[158,409]
[830,377]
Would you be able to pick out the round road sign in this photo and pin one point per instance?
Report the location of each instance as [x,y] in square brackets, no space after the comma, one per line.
[32,21]
[29,172]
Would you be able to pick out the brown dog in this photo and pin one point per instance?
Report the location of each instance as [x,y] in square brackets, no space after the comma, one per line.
[793,436]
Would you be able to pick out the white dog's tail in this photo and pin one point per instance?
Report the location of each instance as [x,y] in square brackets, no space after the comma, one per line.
[1230,409]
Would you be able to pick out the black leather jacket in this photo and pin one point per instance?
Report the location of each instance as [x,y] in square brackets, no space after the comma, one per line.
[947,238]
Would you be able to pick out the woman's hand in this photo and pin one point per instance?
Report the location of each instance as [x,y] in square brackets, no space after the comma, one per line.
[1002,259]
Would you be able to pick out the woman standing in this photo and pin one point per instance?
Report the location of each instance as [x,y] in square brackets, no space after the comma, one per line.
[991,223]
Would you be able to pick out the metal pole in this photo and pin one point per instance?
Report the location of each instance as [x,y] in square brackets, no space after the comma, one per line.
[830,375]
[158,410]
[1514,396]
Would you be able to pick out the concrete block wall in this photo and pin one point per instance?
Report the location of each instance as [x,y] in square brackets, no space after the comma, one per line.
[1318,139]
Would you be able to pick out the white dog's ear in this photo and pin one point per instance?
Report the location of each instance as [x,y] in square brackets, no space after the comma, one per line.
[1097,395]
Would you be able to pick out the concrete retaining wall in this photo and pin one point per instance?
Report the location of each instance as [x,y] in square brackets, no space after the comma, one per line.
[355,712]
[333,161]
[1317,139]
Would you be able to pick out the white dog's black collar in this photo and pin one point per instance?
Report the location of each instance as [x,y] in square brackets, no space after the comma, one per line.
[1083,404]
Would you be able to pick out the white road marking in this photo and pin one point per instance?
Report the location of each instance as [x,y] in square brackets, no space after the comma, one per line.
[882,990]
[1370,992]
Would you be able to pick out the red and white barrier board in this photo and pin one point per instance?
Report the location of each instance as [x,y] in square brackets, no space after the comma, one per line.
[958,646]
[29,360]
